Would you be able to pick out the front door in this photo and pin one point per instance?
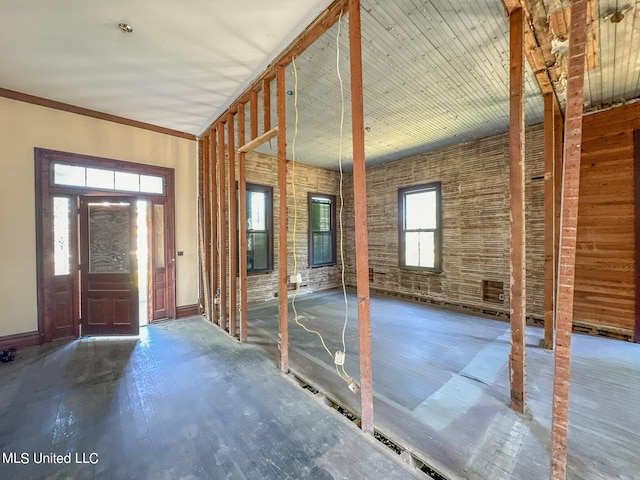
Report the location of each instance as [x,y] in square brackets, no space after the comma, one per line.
[108,266]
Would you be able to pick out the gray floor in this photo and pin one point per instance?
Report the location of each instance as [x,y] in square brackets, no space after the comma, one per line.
[182,401]
[442,390]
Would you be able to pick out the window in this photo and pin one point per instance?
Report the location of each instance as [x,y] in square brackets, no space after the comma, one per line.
[420,242]
[322,231]
[259,230]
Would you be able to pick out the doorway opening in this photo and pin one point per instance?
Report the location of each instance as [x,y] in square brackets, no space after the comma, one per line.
[105,245]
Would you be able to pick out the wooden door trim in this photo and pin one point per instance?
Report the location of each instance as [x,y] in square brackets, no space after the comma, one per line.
[44,192]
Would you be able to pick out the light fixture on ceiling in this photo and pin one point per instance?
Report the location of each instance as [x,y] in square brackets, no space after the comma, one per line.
[125,27]
[618,15]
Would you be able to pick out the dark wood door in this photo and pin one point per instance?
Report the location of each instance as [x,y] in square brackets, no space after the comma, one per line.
[109,300]
[63,289]
[159,271]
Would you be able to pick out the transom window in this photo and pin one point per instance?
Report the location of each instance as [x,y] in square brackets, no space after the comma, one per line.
[420,242]
[106,179]
[322,231]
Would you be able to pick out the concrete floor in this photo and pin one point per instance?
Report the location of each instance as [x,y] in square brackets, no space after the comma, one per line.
[442,388]
[182,401]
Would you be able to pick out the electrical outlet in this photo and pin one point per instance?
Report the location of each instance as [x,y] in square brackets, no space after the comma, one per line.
[353,386]
[295,279]
[339,358]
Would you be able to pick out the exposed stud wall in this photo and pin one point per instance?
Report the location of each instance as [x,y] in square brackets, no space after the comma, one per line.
[475,207]
[262,169]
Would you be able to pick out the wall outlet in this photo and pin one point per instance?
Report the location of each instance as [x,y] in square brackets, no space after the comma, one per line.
[339,358]
[295,279]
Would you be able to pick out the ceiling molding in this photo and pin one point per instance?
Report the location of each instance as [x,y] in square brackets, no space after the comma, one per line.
[43,102]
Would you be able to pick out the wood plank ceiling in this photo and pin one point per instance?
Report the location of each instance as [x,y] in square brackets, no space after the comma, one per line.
[435,71]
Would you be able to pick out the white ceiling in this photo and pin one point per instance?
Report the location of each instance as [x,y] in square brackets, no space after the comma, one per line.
[182,65]
[436,72]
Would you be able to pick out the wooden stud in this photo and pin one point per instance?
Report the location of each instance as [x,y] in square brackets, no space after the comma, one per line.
[636,186]
[517,298]
[266,104]
[203,160]
[242,222]
[568,231]
[254,114]
[222,228]
[360,207]
[213,221]
[283,305]
[549,219]
[233,230]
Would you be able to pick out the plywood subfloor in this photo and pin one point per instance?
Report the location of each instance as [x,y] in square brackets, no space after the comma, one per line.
[442,388]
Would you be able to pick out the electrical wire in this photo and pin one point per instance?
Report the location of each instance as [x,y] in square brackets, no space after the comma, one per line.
[342,264]
[295,212]
[340,369]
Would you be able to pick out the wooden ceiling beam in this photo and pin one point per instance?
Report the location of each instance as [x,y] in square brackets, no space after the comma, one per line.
[545,34]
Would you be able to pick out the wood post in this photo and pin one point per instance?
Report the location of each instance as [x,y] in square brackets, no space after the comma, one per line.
[550,251]
[242,223]
[233,227]
[253,105]
[222,227]
[266,104]
[517,298]
[283,306]
[360,207]
[203,227]
[568,231]
[213,222]
[636,187]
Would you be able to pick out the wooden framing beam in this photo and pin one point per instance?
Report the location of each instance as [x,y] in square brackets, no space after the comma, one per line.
[256,142]
[283,304]
[233,227]
[222,227]
[568,234]
[550,252]
[545,24]
[203,250]
[242,221]
[517,298]
[213,221]
[360,207]
[636,186]
[253,103]
[266,104]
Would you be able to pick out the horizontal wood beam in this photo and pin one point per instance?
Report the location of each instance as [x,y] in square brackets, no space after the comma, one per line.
[256,142]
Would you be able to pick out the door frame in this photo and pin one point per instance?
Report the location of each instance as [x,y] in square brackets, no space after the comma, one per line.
[45,191]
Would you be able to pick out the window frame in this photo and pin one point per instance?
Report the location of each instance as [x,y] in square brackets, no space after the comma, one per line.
[332,215]
[268,190]
[402,230]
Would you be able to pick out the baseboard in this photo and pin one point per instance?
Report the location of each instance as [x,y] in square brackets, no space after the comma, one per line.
[20,340]
[187,310]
